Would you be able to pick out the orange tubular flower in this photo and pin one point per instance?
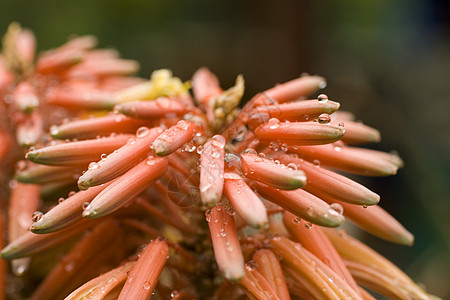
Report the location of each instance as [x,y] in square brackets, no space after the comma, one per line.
[143,277]
[147,159]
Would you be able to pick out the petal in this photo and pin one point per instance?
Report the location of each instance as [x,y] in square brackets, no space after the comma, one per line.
[173,138]
[299,133]
[256,286]
[351,159]
[41,174]
[126,187]
[271,173]
[143,277]
[74,96]
[205,85]
[77,153]
[93,127]
[158,108]
[121,160]
[244,201]
[358,133]
[227,249]
[302,204]
[212,170]
[268,265]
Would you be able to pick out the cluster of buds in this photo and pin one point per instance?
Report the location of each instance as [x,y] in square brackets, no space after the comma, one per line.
[180,195]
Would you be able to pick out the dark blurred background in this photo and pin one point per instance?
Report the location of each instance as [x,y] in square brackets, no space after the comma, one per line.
[386,61]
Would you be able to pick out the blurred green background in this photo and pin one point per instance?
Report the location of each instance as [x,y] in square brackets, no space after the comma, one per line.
[386,61]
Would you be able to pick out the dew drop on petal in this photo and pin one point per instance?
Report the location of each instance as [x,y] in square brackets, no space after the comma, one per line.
[54,130]
[93,166]
[309,211]
[297,220]
[86,205]
[273,123]
[337,208]
[316,162]
[218,141]
[324,119]
[250,151]
[103,156]
[142,132]
[147,285]
[61,200]
[292,166]
[364,206]
[308,225]
[322,98]
[199,149]
[37,216]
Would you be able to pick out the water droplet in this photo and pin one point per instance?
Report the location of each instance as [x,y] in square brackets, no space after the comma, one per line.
[37,216]
[309,211]
[341,124]
[273,146]
[250,151]
[297,220]
[218,141]
[337,208]
[71,193]
[364,206]
[262,155]
[316,162]
[61,200]
[215,153]
[150,161]
[273,123]
[337,148]
[174,294]
[93,166]
[54,130]
[308,225]
[199,149]
[103,156]
[147,285]
[284,147]
[86,205]
[324,119]
[292,166]
[142,131]
[322,98]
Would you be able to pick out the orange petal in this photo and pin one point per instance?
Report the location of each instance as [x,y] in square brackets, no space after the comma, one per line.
[269,172]
[158,108]
[306,110]
[76,260]
[67,212]
[41,174]
[334,184]
[227,249]
[244,201]
[351,159]
[77,153]
[299,133]
[374,220]
[31,243]
[58,60]
[79,97]
[93,127]
[212,170]
[350,249]
[302,204]
[316,242]
[173,138]
[323,283]
[103,284]
[126,187]
[29,132]
[296,88]
[358,133]
[102,67]
[25,98]
[143,277]
[205,85]
[256,286]
[23,203]
[121,160]
[268,265]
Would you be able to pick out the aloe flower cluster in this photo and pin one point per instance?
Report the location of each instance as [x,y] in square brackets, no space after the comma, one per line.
[118,187]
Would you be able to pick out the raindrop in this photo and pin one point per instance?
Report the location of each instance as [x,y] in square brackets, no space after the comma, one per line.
[250,151]
[54,130]
[273,123]
[103,156]
[142,131]
[37,216]
[71,193]
[337,208]
[322,98]
[308,225]
[93,166]
[341,124]
[284,147]
[61,200]
[147,285]
[150,161]
[215,153]
[297,220]
[86,205]
[337,148]
[309,211]
[292,166]
[324,119]
[364,206]
[174,294]
[262,155]
[199,149]
[316,162]
[218,141]
[273,146]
